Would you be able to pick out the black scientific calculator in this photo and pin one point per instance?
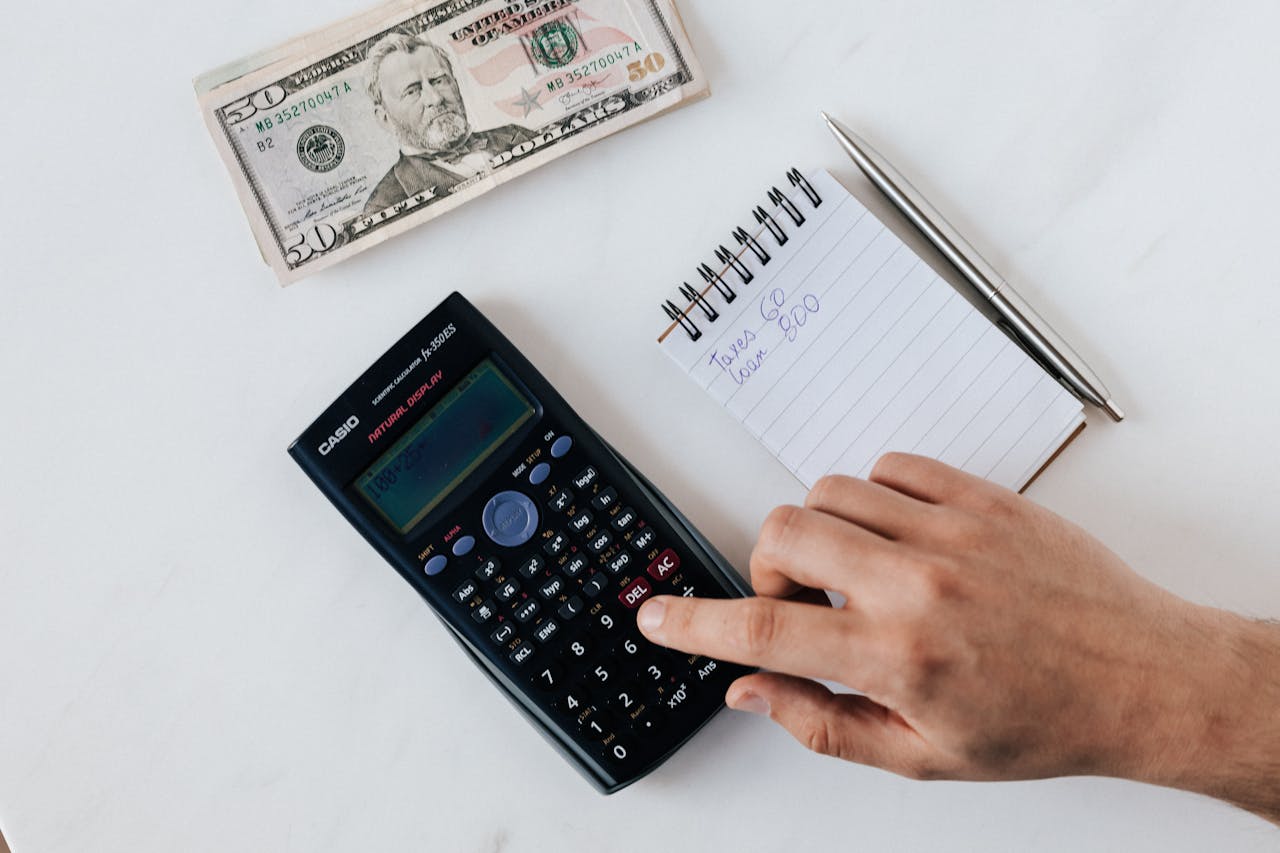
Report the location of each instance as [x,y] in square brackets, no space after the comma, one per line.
[531,538]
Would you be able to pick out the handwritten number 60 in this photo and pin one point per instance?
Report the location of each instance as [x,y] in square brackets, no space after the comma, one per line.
[772,308]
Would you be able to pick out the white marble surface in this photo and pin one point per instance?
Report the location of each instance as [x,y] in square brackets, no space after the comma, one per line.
[197,654]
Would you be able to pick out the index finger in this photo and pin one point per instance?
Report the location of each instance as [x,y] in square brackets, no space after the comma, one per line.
[786,636]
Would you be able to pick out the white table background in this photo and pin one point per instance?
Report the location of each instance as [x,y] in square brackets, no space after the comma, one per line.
[198,654]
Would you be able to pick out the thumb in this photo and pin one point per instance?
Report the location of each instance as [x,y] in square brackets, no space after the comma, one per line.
[841,725]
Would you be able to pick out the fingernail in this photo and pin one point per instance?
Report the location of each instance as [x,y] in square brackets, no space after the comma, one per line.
[751,703]
[651,615]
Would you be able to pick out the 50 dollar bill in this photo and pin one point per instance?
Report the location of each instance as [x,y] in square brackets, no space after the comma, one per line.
[342,138]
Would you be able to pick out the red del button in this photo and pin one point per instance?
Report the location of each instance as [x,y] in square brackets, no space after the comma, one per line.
[635,594]
[665,566]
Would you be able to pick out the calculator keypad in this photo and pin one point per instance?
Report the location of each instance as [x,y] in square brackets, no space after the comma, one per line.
[564,612]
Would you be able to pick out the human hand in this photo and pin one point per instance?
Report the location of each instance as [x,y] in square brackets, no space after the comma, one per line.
[991,639]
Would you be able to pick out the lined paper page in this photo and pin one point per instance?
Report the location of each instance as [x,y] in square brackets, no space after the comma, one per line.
[846,345]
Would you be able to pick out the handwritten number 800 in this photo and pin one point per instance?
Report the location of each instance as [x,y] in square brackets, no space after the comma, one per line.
[790,320]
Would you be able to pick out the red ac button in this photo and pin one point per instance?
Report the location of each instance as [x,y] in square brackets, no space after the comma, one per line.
[667,564]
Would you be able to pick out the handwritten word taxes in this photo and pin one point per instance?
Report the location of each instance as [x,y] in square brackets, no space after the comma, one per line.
[742,356]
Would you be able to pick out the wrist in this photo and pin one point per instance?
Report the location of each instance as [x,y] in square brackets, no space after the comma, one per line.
[1216,726]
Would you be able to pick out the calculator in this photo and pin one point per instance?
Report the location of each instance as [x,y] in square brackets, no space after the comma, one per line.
[530,537]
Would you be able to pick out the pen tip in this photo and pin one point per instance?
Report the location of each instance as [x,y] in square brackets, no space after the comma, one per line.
[825,117]
[1114,411]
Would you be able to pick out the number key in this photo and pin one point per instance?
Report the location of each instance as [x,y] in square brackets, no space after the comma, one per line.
[573,703]
[550,676]
[606,625]
[603,675]
[578,649]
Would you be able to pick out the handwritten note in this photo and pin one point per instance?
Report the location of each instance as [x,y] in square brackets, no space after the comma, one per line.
[845,345]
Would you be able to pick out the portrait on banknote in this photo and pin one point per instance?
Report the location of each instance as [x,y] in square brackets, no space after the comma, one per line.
[417,99]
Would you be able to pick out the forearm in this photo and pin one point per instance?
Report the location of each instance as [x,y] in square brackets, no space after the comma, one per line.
[1225,740]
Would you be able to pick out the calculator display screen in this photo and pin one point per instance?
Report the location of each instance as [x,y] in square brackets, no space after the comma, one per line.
[442,449]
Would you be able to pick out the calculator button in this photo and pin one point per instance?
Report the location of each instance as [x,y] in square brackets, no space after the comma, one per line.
[539,474]
[510,519]
[635,594]
[435,565]
[575,565]
[547,631]
[464,546]
[655,670]
[631,647]
[600,543]
[643,540]
[550,677]
[619,750]
[465,592]
[571,608]
[623,521]
[488,570]
[485,612]
[556,545]
[508,591]
[625,697]
[665,566]
[532,567]
[582,522]
[605,499]
[526,611]
[561,447]
[561,500]
[619,563]
[586,478]
[572,703]
[605,625]
[605,675]
[551,588]
[522,653]
[677,699]
[578,648]
[597,584]
[649,721]
[504,634]
[707,668]
[598,724]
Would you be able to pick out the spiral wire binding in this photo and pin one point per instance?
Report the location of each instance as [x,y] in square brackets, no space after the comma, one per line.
[731,260]
[679,317]
[717,281]
[763,217]
[744,239]
[695,297]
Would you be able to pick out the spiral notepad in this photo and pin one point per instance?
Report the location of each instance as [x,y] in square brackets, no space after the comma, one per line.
[834,343]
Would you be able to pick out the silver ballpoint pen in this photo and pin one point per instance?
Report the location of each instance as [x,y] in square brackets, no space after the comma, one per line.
[1018,318]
